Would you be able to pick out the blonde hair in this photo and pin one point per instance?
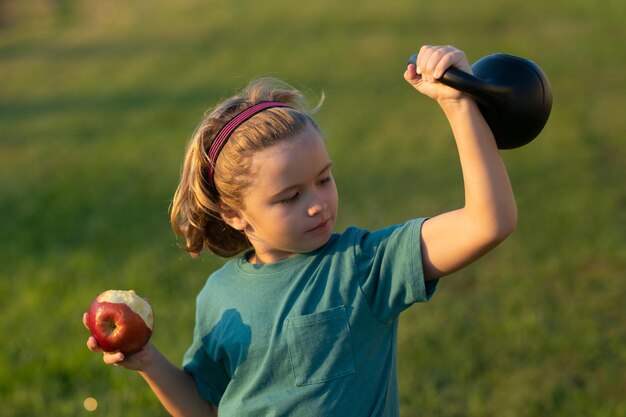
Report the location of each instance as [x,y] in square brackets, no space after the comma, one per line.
[197,204]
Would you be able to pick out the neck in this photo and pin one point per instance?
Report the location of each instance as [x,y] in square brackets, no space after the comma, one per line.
[267,258]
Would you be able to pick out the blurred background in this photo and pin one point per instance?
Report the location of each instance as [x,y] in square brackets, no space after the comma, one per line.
[97,100]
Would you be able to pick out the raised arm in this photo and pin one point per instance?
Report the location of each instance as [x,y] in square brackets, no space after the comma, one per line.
[454,239]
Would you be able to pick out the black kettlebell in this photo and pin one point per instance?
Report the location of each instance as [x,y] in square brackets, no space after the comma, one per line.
[513,94]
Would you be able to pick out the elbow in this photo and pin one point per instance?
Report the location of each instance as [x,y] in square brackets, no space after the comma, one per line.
[504,225]
[496,228]
[508,227]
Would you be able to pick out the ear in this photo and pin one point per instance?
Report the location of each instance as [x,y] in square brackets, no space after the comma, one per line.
[233,218]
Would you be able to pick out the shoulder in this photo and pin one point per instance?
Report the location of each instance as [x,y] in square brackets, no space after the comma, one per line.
[220,279]
[362,247]
[366,239]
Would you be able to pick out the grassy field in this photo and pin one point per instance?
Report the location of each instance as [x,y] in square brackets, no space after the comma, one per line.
[98,98]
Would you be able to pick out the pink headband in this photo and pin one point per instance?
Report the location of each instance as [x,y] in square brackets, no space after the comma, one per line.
[224,133]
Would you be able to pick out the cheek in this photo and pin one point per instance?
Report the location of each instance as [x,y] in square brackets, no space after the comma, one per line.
[270,219]
[333,196]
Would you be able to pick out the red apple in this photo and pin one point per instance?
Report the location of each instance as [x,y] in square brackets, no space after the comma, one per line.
[120,321]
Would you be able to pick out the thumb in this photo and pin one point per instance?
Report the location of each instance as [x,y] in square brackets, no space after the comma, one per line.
[113,358]
[411,75]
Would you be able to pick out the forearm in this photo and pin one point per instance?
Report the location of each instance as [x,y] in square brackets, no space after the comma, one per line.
[454,239]
[489,200]
[176,389]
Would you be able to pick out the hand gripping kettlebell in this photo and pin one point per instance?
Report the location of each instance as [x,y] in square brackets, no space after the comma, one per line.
[513,94]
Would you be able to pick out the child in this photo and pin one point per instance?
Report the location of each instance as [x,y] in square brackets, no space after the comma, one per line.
[304,323]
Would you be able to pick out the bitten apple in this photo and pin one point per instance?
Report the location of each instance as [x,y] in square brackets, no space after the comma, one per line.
[120,321]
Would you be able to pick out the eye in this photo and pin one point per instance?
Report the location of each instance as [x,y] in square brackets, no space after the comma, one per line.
[291,199]
[326,180]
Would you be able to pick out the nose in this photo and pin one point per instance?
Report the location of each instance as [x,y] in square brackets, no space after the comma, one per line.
[318,206]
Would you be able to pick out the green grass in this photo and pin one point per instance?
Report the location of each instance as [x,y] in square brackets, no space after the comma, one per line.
[98,98]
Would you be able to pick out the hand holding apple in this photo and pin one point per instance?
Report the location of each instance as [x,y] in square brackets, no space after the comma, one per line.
[120,321]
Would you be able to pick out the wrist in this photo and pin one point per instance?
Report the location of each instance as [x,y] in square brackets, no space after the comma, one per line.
[451,106]
[148,359]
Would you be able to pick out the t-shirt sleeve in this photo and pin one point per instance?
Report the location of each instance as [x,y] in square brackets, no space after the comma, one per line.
[209,373]
[389,264]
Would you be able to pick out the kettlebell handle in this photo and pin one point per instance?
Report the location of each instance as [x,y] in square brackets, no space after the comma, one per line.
[513,94]
[469,84]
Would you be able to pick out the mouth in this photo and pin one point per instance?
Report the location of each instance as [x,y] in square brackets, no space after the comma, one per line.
[320,226]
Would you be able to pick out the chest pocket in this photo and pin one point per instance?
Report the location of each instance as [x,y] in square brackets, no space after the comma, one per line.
[320,346]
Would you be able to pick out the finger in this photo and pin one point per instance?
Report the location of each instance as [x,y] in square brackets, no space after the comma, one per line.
[434,58]
[85,315]
[422,58]
[411,74]
[92,345]
[113,358]
[447,60]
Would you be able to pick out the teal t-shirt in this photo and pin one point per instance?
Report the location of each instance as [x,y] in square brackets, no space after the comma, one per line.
[312,335]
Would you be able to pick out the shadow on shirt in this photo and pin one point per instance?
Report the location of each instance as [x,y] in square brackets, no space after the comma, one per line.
[229,341]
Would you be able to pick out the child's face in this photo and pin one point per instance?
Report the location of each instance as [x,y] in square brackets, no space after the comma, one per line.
[291,205]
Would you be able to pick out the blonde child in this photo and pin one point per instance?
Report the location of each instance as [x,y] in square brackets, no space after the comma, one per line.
[303,321]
